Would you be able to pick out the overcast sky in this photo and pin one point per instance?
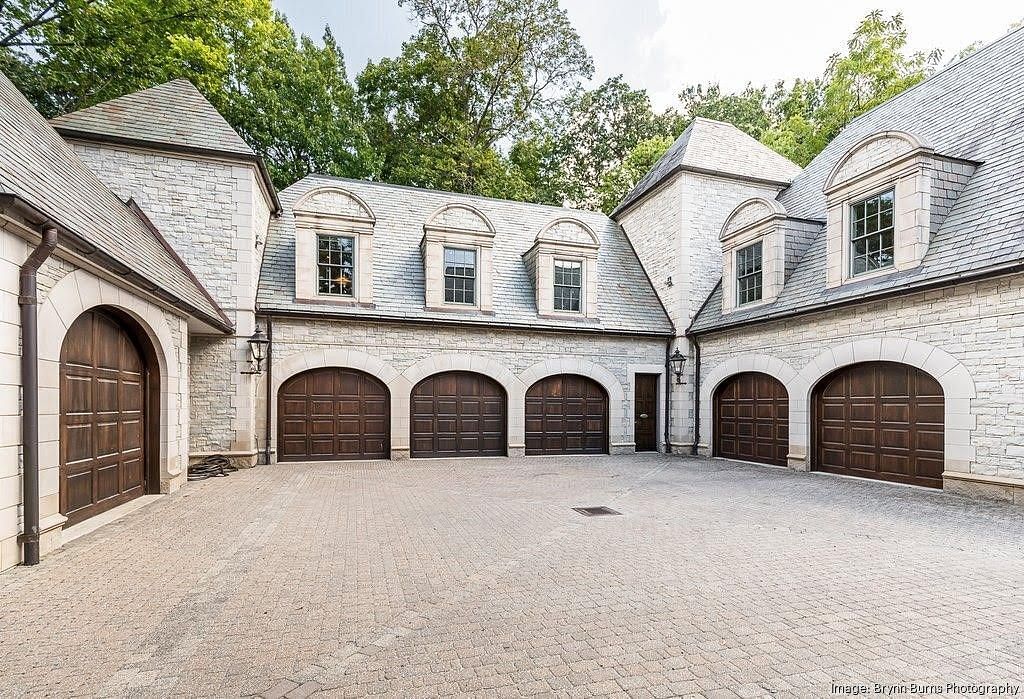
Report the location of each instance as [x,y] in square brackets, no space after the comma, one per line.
[663,45]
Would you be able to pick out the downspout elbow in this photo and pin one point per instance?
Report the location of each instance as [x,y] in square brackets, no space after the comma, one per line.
[28,300]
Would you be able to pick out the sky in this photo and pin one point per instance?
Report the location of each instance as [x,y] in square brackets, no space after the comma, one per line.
[664,45]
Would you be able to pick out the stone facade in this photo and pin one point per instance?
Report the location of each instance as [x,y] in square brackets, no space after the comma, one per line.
[675,232]
[401,354]
[968,337]
[66,290]
[215,213]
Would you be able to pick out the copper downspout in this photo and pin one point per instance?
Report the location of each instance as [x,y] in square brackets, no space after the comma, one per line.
[270,387]
[28,300]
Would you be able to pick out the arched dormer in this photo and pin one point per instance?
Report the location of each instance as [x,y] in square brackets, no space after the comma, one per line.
[883,196]
[334,202]
[749,213]
[877,150]
[333,247]
[457,247]
[563,265]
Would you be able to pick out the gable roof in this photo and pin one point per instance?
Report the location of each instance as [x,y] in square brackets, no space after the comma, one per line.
[972,110]
[43,174]
[172,114]
[714,147]
[627,302]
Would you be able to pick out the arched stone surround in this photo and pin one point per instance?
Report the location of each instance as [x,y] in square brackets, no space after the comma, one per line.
[400,384]
[957,386]
[290,365]
[72,295]
[619,437]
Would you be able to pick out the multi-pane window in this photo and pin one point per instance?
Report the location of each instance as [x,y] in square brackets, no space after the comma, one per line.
[459,276]
[748,274]
[871,233]
[336,264]
[568,285]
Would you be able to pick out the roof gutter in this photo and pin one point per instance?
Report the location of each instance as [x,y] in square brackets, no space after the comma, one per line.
[28,302]
[261,167]
[949,280]
[83,247]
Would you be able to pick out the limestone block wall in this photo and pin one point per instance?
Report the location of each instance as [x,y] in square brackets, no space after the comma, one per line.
[215,215]
[970,337]
[401,354]
[65,292]
[675,233]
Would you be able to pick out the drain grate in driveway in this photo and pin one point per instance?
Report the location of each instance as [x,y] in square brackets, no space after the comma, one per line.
[596,511]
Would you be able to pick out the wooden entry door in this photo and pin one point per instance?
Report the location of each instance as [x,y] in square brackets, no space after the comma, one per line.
[332,414]
[645,412]
[880,420]
[752,419]
[103,417]
[458,413]
[566,414]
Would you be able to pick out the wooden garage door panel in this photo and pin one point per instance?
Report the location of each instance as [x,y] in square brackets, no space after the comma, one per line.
[458,414]
[880,420]
[752,419]
[572,416]
[333,414]
[102,417]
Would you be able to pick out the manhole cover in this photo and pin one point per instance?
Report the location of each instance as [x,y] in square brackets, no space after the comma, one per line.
[596,511]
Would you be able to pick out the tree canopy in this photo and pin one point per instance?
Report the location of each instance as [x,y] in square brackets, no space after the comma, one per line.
[486,97]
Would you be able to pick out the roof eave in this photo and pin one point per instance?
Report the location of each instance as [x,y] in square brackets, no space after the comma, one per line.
[927,285]
[250,157]
[88,250]
[272,310]
[629,204]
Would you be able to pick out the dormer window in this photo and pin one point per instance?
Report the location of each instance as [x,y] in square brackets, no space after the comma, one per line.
[748,274]
[568,285]
[460,276]
[333,248]
[563,265]
[336,265]
[872,233]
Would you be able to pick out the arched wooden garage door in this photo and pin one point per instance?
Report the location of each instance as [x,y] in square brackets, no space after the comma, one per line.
[880,420]
[458,413]
[107,415]
[752,419]
[566,414]
[333,414]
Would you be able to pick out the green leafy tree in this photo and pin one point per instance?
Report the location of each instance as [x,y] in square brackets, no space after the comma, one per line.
[746,110]
[474,78]
[288,97]
[875,68]
[619,180]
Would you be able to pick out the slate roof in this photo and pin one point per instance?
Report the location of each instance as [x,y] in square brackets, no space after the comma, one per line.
[40,170]
[972,110]
[173,114]
[627,302]
[715,147]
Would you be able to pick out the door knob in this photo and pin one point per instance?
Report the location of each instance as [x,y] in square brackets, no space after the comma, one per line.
[643,416]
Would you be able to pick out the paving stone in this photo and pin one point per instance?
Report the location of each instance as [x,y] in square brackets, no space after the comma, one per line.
[430,578]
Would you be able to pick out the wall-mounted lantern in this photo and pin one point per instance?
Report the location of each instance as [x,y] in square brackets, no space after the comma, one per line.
[676,362]
[259,345]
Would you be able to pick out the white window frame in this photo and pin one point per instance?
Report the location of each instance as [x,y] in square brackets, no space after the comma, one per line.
[354,241]
[759,243]
[476,277]
[582,288]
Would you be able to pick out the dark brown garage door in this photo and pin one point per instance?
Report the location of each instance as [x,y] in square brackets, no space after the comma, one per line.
[333,414]
[880,420]
[752,419]
[458,413]
[103,394]
[566,414]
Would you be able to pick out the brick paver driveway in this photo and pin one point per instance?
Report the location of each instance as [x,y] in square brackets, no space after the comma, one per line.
[476,577]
